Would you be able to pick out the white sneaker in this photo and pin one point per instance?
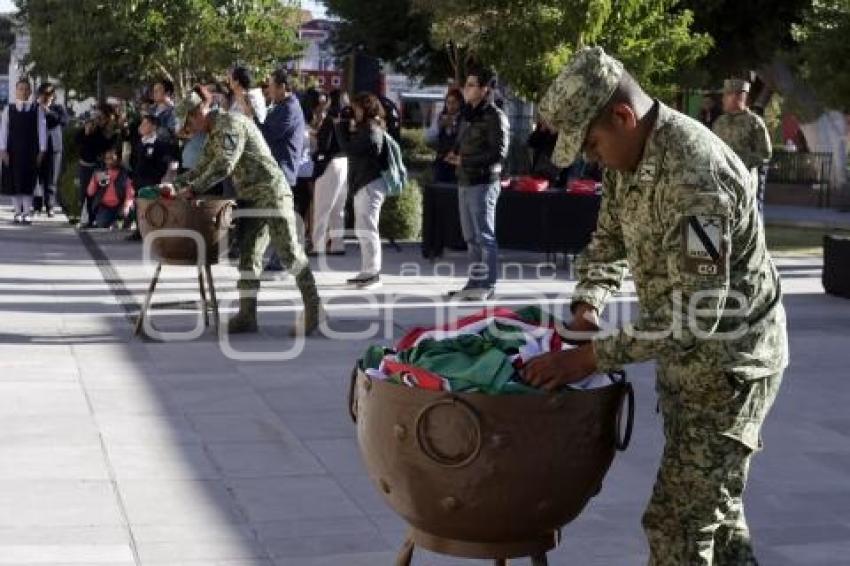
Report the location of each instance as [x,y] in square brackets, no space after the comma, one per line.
[17,219]
[27,219]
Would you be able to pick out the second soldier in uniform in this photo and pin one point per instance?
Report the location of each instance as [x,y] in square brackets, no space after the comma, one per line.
[679,210]
[235,147]
[744,131]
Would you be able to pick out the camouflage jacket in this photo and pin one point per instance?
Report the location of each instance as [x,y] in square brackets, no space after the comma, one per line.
[686,224]
[747,135]
[235,147]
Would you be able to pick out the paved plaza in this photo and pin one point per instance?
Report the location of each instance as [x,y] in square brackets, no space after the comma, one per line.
[120,451]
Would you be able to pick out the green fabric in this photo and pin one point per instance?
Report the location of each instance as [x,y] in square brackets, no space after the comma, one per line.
[148,193]
[470,362]
[373,357]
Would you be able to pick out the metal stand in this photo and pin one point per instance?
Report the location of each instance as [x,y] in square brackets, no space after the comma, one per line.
[205,283]
[405,556]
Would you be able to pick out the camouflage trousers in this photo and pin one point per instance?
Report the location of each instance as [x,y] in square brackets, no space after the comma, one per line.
[695,516]
[273,220]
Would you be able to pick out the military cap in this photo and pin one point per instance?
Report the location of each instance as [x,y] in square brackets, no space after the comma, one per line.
[580,92]
[191,102]
[735,85]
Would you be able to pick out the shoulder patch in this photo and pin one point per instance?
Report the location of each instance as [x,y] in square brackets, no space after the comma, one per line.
[229,142]
[704,247]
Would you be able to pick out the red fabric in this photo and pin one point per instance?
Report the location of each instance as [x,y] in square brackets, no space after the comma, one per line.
[529,184]
[422,378]
[582,187]
[408,340]
[790,126]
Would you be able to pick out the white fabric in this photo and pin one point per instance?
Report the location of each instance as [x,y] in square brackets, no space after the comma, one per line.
[258,105]
[367,213]
[329,196]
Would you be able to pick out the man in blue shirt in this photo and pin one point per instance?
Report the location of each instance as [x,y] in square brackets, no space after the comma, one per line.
[284,126]
[285,130]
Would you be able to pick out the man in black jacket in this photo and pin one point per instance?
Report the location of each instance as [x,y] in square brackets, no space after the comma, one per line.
[481,147]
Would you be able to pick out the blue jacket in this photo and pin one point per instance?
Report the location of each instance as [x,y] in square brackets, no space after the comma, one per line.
[284,130]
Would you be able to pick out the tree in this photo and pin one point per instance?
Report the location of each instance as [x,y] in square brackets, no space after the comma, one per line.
[824,54]
[528,41]
[746,35]
[391,30]
[129,41]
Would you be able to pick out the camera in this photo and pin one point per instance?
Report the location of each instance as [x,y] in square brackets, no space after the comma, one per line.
[103,179]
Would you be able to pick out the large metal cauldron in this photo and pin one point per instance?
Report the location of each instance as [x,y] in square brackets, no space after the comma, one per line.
[483,476]
[208,217]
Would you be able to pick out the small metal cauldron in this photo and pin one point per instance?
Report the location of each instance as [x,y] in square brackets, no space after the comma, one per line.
[485,476]
[209,218]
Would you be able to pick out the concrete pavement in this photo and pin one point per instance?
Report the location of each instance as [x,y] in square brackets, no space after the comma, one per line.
[119,451]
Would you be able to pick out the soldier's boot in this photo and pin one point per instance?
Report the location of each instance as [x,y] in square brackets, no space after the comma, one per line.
[246,319]
[308,322]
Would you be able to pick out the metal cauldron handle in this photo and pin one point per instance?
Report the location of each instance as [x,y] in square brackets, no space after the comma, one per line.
[352,400]
[426,447]
[625,437]
[164,214]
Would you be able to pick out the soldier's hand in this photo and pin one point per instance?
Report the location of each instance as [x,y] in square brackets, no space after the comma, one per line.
[556,369]
[4,156]
[584,325]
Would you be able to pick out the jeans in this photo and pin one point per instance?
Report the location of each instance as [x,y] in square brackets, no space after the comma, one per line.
[478,221]
[105,216]
[367,213]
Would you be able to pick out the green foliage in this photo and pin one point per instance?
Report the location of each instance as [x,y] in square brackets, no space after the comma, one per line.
[417,154]
[655,43]
[391,30]
[129,41]
[528,41]
[746,35]
[67,185]
[825,51]
[401,216]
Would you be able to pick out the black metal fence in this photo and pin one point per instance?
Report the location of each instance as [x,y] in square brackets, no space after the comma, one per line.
[809,169]
[798,168]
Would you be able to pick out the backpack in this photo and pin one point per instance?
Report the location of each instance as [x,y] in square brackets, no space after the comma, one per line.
[394,172]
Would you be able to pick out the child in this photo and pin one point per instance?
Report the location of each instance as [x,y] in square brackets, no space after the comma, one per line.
[23,142]
[111,191]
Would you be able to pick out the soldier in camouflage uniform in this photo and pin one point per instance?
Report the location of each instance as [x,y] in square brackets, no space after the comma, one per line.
[678,209]
[744,131]
[236,148]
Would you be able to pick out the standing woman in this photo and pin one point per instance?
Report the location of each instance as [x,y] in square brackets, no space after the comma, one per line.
[442,136]
[23,142]
[362,138]
[331,187]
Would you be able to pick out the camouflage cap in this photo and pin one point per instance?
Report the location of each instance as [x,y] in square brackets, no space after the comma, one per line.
[735,85]
[191,102]
[582,89]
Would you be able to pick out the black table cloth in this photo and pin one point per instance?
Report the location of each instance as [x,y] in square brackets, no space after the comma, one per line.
[548,221]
